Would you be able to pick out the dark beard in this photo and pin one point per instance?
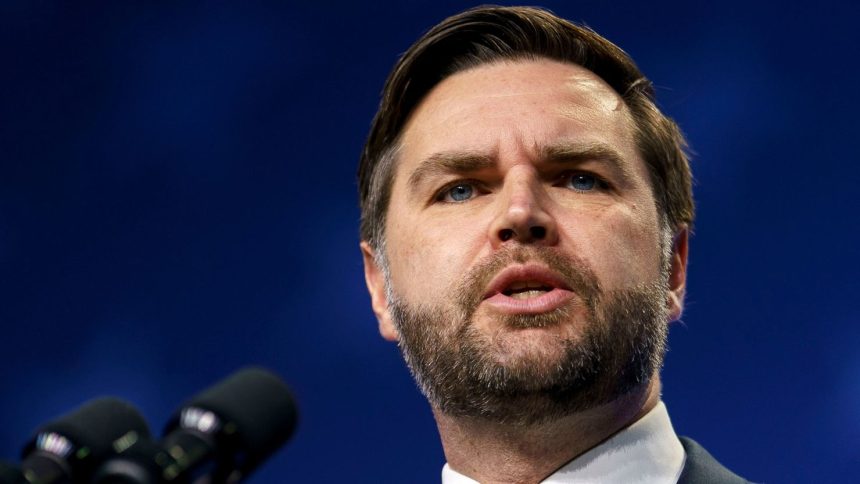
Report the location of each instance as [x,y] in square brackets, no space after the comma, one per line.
[622,343]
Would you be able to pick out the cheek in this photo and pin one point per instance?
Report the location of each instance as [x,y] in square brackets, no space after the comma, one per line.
[428,257]
[621,243]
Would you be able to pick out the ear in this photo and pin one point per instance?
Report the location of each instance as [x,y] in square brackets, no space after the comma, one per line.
[375,280]
[678,273]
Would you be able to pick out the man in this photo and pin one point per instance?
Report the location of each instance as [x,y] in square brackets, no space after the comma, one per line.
[525,222]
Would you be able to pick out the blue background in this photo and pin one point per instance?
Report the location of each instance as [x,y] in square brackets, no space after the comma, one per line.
[177,200]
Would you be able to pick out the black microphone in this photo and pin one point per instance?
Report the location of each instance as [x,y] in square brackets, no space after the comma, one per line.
[219,436]
[70,448]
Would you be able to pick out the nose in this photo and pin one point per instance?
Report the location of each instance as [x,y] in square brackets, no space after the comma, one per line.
[522,214]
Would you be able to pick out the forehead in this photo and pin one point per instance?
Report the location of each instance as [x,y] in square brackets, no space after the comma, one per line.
[528,102]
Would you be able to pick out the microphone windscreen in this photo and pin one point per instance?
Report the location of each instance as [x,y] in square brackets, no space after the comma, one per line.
[93,428]
[255,406]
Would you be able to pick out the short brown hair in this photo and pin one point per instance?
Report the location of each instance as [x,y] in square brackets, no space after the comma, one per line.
[489,34]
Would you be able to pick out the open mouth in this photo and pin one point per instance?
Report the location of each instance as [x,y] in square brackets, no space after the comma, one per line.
[524,282]
[526,289]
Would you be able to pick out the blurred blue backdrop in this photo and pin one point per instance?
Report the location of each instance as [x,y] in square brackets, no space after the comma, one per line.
[177,200]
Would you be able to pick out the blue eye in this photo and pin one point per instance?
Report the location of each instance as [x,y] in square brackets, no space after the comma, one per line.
[458,193]
[582,182]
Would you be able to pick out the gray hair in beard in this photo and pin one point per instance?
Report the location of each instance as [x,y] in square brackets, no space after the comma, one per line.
[622,344]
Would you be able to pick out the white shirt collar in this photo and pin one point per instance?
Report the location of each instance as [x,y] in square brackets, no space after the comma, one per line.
[648,451]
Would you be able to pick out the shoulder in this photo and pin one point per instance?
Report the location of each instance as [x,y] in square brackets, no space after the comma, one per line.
[700,467]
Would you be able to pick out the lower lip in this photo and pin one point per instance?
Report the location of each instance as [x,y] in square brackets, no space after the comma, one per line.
[544,303]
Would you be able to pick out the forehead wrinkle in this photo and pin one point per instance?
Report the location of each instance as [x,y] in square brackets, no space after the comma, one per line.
[447,162]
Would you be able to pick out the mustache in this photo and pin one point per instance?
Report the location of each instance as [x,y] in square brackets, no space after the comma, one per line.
[574,272]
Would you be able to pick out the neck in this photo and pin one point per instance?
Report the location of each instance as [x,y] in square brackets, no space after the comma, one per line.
[498,453]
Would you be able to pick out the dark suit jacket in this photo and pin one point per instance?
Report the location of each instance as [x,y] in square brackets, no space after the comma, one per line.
[701,468]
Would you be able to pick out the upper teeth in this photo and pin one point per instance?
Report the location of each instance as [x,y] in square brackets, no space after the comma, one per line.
[525,286]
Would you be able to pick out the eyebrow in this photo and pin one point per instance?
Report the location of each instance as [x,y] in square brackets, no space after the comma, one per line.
[566,152]
[447,162]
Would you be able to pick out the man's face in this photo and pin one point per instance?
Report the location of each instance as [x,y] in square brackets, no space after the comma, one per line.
[523,243]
